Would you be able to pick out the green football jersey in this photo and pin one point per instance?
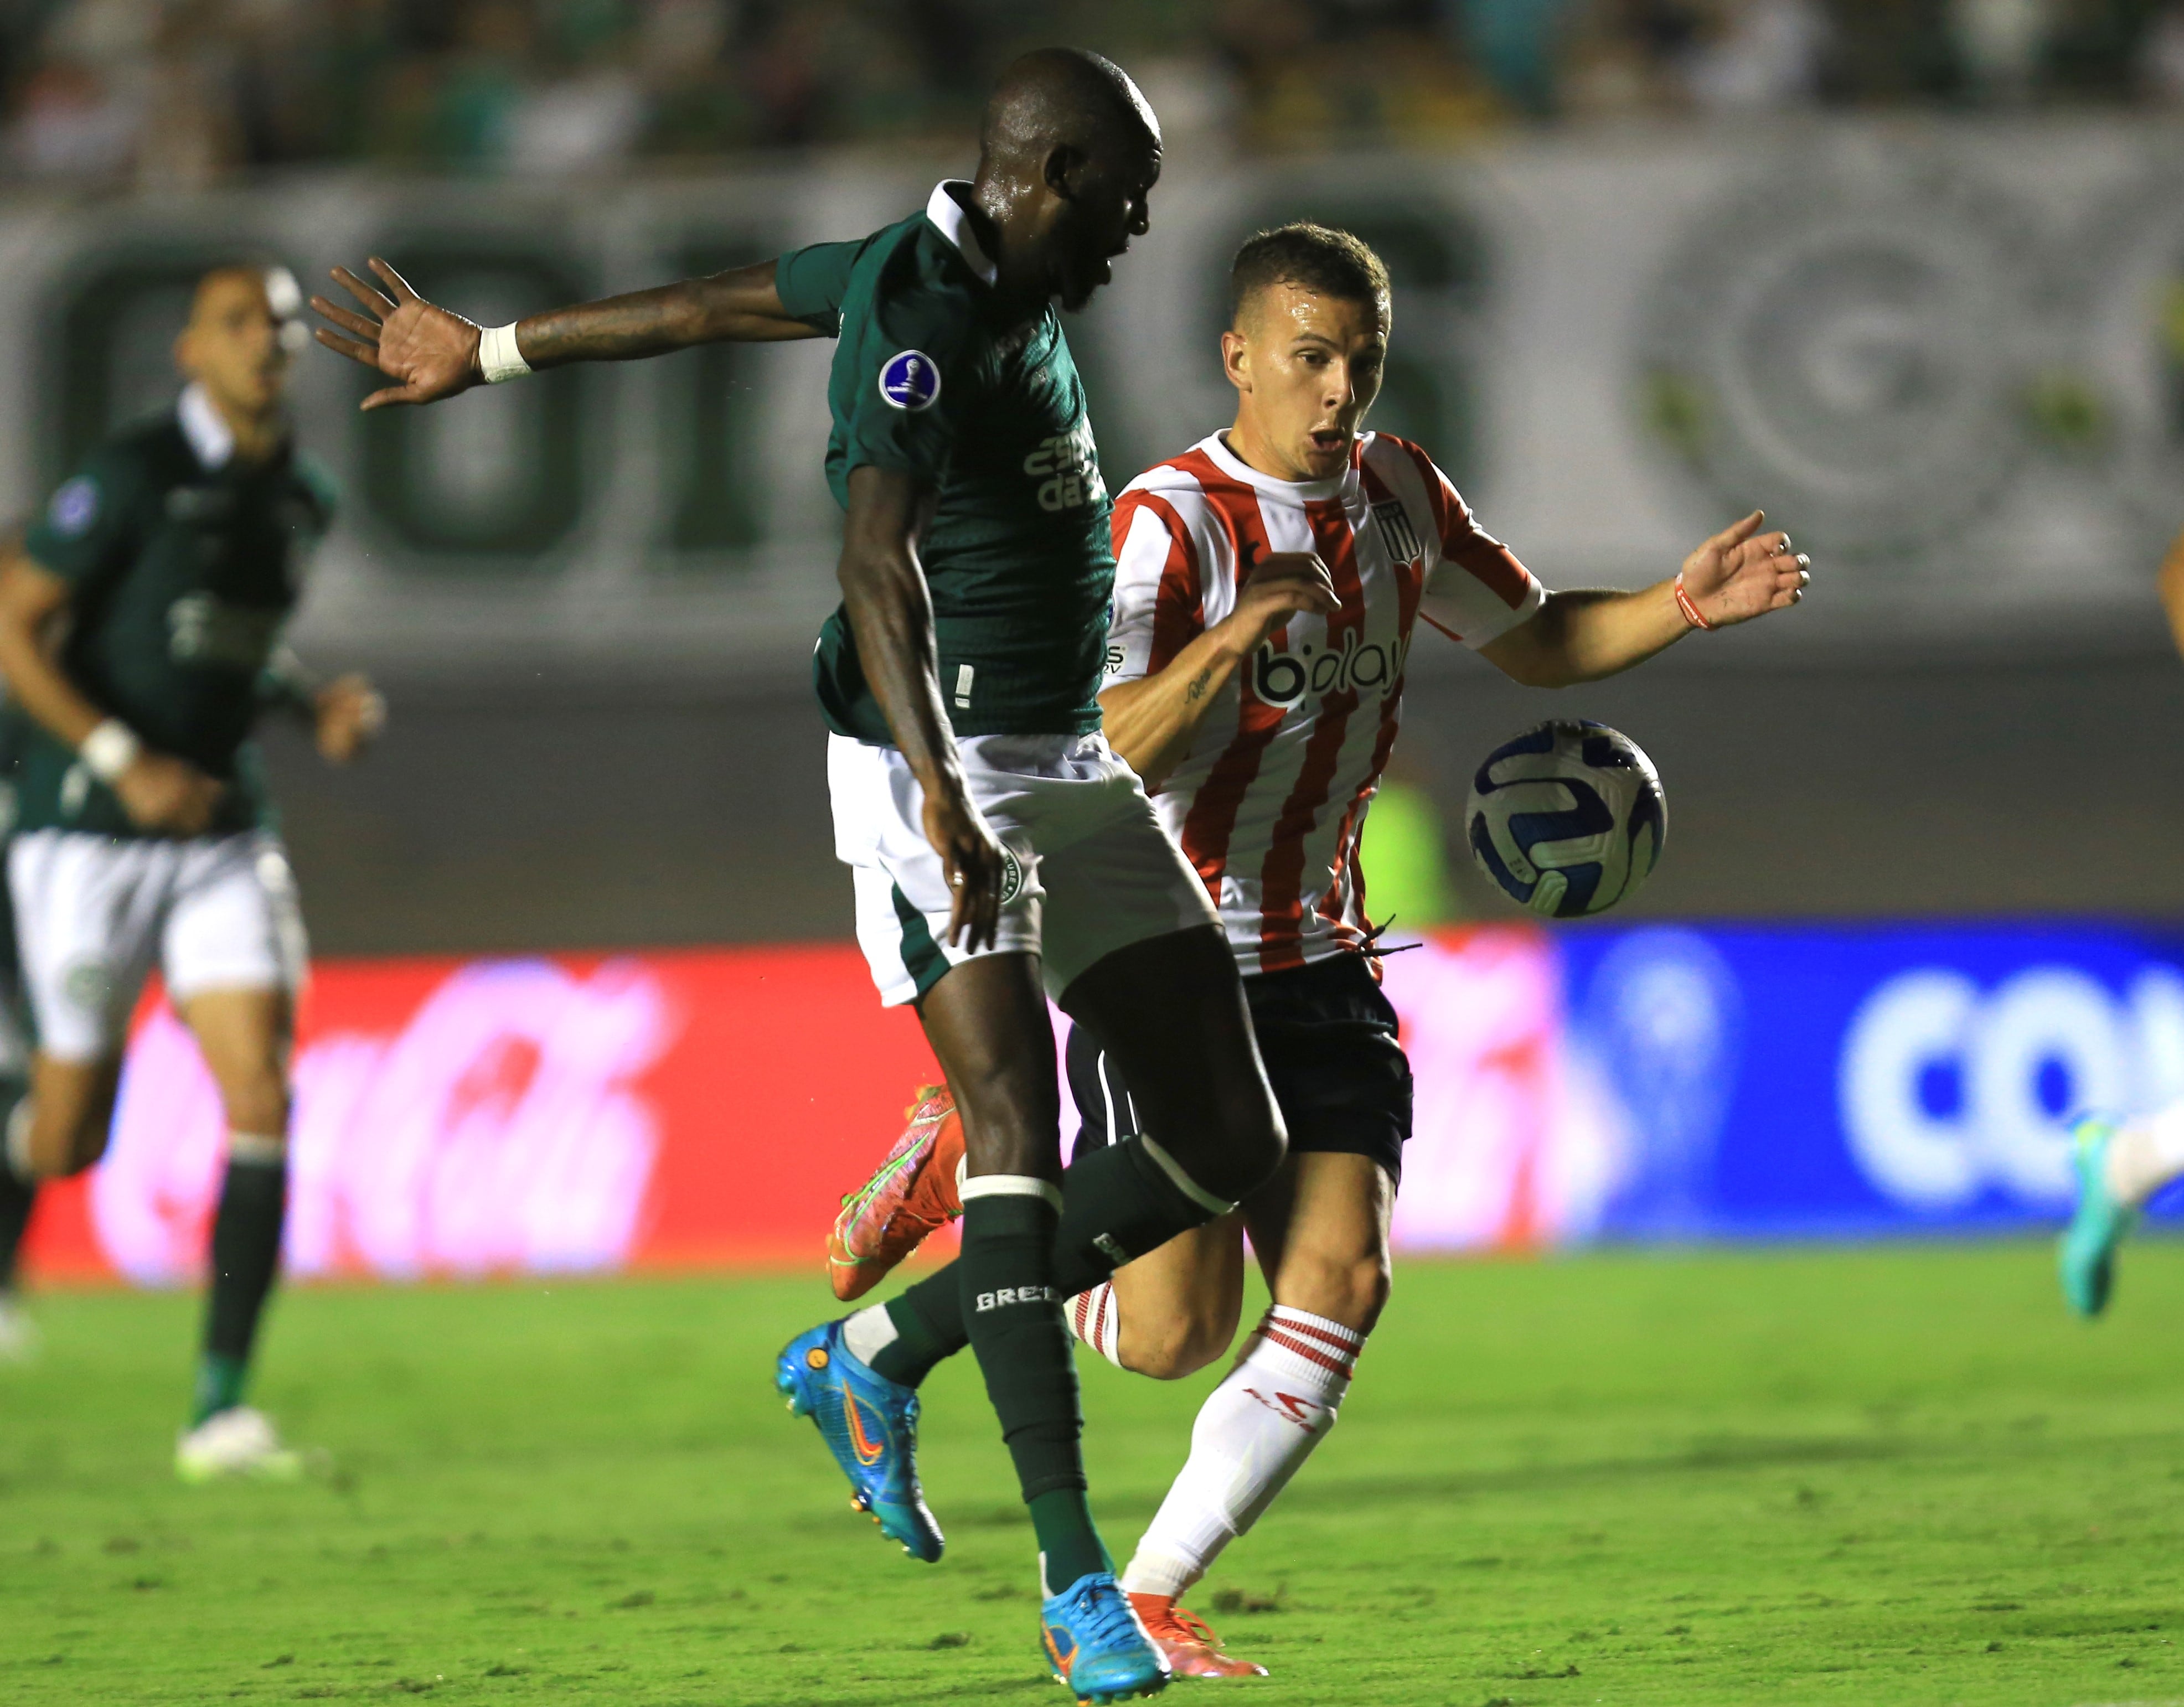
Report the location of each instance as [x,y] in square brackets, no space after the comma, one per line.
[990,417]
[183,564]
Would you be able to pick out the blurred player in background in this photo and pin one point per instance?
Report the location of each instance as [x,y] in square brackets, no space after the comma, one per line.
[1267,584]
[140,627]
[18,1338]
[999,850]
[2120,1164]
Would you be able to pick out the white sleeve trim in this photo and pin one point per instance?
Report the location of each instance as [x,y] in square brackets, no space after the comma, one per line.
[1459,617]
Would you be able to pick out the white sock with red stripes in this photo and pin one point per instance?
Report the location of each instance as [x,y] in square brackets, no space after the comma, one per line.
[1252,1433]
[1096,1318]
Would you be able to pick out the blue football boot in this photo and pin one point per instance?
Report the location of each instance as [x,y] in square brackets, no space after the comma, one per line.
[2085,1256]
[870,1424]
[1097,1648]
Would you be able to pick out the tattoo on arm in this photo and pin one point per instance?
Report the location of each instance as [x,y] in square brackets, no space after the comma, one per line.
[1197,691]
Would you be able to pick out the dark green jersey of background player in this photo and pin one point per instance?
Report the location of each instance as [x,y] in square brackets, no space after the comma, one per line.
[929,381]
[183,563]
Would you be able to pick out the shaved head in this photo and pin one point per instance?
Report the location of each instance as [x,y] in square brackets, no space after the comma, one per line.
[1068,158]
[1064,98]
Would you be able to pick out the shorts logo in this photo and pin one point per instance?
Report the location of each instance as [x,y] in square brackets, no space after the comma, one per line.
[911,381]
[75,507]
[1001,1297]
[1012,875]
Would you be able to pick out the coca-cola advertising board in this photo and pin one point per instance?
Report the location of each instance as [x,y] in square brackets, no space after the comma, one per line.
[601,1112]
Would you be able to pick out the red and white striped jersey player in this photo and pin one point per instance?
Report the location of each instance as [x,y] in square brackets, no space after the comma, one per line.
[1269,584]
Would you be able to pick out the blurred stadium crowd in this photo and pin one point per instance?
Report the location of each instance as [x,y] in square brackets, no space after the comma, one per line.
[183,93]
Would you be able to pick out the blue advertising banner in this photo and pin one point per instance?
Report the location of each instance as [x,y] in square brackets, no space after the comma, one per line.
[1771,1082]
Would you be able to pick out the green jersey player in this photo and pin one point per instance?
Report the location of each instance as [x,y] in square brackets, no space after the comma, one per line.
[996,843]
[18,1339]
[138,623]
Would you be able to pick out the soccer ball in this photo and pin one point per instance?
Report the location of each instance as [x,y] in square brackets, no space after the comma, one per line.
[1568,818]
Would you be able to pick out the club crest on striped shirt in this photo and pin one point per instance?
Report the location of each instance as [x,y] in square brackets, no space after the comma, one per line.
[1395,529]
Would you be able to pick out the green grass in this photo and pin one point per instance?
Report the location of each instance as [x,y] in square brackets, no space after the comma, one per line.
[1883,1476]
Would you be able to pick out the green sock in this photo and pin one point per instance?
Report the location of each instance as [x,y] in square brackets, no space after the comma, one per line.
[910,1356]
[1117,1204]
[1069,1546]
[245,1259]
[219,1386]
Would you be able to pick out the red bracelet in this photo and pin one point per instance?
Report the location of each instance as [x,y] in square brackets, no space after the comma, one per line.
[1684,603]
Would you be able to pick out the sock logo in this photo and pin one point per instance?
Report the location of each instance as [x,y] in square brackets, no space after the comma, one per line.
[1111,1248]
[1001,1297]
[1290,1407]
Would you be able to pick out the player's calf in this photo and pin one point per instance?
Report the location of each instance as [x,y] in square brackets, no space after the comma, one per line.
[61,1128]
[1173,1312]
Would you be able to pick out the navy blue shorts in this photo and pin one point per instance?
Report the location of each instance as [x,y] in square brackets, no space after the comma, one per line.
[1327,1036]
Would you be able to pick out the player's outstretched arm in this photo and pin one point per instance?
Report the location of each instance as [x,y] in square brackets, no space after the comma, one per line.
[1150,721]
[158,790]
[1737,575]
[433,352]
[890,612]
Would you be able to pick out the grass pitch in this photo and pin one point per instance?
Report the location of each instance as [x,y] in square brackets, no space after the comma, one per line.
[1891,1477]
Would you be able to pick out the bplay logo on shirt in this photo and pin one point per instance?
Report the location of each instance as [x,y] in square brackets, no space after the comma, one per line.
[1285,678]
[911,381]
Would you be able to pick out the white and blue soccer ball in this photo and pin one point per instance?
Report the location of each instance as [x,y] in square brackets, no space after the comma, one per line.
[1568,818]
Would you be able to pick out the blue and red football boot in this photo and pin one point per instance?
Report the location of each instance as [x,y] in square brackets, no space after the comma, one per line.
[870,1424]
[1096,1645]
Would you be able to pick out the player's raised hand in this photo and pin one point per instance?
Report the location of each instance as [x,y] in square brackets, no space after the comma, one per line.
[1280,585]
[347,715]
[975,861]
[1741,573]
[162,792]
[434,353]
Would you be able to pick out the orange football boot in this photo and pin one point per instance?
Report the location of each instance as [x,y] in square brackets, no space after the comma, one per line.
[911,1194]
[1186,1641]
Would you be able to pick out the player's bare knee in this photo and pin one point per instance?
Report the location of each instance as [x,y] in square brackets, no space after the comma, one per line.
[1349,1286]
[70,1114]
[257,1102]
[1175,1346]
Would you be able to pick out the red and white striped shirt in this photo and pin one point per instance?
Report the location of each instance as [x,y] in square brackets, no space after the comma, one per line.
[1269,801]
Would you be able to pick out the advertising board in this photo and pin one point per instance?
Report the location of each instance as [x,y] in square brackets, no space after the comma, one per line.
[709,1108]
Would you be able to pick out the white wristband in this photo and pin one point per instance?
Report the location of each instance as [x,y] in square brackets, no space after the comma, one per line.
[499,359]
[110,749]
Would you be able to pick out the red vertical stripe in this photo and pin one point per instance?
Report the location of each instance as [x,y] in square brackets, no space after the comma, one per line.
[1463,541]
[1282,876]
[1410,582]
[1211,820]
[1179,602]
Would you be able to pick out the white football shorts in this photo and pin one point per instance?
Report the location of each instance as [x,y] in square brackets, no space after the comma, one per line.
[1091,870]
[94,914]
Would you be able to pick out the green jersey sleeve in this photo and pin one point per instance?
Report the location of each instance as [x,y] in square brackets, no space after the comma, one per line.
[905,372]
[88,533]
[812,282]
